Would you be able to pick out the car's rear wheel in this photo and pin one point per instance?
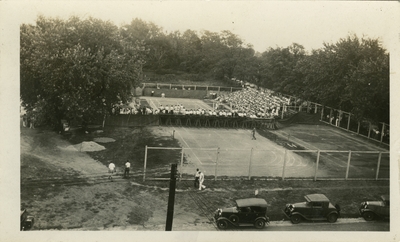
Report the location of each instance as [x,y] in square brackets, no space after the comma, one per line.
[369,216]
[332,217]
[234,219]
[295,219]
[222,224]
[259,223]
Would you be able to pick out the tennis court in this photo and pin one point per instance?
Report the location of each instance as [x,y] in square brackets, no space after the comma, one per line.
[299,148]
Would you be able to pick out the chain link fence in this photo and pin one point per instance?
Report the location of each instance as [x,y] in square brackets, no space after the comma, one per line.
[219,164]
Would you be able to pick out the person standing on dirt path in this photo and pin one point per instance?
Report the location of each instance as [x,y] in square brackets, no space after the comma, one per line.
[111,170]
[196,178]
[201,180]
[127,168]
[253,132]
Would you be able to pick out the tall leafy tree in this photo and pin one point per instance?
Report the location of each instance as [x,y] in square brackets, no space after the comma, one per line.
[76,69]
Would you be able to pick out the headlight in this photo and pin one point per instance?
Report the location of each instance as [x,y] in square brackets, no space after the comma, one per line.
[364,205]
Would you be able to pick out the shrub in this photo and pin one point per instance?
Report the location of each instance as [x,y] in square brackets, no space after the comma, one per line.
[139,215]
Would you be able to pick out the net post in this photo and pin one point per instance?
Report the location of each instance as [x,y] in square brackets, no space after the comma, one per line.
[145,162]
[316,165]
[348,165]
[251,155]
[284,166]
[379,164]
[216,165]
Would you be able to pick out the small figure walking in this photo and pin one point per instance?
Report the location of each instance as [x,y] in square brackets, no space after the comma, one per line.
[111,170]
[196,178]
[253,132]
[127,167]
[32,122]
[201,180]
[24,120]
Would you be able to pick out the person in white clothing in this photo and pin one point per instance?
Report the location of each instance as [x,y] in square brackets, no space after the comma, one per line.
[111,170]
[127,168]
[201,180]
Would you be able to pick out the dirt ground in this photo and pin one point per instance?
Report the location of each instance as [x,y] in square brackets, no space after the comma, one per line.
[66,189]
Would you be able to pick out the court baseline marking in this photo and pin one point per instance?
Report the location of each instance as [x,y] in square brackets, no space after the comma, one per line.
[189,147]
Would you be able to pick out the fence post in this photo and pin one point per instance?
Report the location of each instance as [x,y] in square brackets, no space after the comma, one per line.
[358,127]
[216,165]
[180,171]
[379,164]
[348,122]
[383,130]
[348,165]
[170,86]
[219,90]
[194,87]
[284,166]
[316,165]
[251,155]
[145,161]
[322,114]
[369,129]
[231,89]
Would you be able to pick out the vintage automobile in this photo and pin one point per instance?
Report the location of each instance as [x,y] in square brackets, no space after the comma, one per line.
[371,210]
[316,208]
[26,220]
[247,212]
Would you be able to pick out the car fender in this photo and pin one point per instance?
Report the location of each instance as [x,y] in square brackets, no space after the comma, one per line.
[297,213]
[367,210]
[333,212]
[226,219]
[266,219]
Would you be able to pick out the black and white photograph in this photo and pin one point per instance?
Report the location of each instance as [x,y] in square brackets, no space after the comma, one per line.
[199,120]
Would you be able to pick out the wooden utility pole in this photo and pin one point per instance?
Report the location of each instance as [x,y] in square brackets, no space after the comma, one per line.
[171,198]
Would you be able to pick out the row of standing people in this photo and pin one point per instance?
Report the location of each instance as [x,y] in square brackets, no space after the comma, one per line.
[28,121]
[113,169]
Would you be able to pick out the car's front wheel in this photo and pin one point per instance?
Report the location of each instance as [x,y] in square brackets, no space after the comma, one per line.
[369,216]
[222,224]
[332,217]
[259,223]
[296,219]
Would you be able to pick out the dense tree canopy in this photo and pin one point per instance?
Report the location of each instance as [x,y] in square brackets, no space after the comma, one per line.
[79,68]
[76,68]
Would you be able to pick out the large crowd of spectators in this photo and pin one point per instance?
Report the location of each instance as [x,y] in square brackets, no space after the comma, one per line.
[250,103]
[255,103]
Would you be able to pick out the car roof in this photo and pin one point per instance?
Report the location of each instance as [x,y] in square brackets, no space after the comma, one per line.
[251,202]
[316,198]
